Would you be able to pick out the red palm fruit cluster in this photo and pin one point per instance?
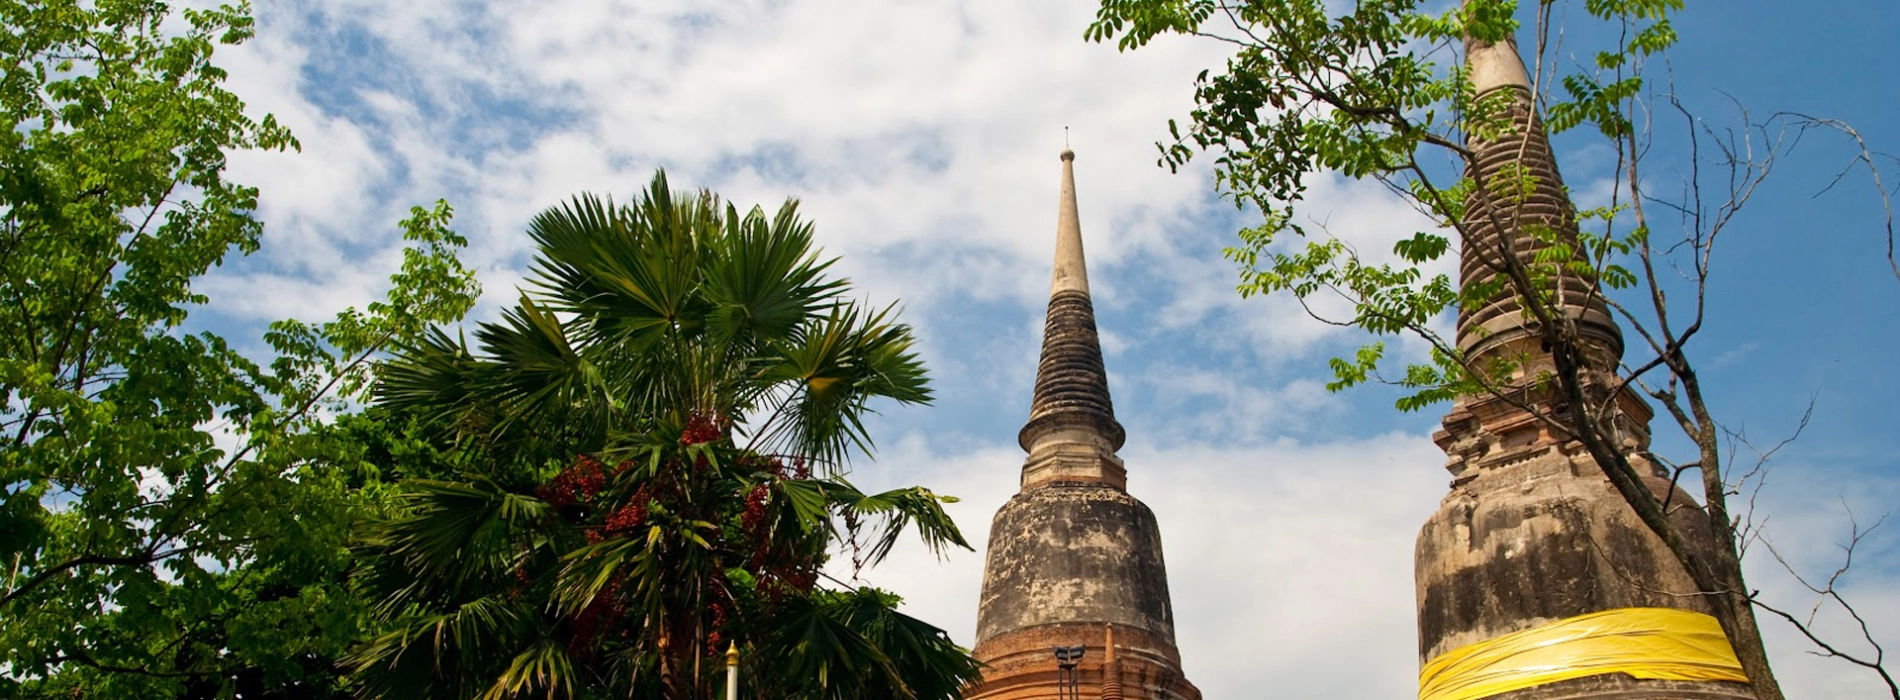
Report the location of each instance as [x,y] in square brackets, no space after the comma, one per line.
[800,469]
[700,429]
[596,617]
[718,623]
[576,483]
[778,580]
[630,517]
[754,508]
[521,583]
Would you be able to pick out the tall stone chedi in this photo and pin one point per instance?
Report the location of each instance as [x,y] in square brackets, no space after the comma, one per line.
[1535,578]
[1073,559]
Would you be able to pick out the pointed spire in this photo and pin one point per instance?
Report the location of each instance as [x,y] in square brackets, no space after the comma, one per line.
[1495,65]
[1072,434]
[1070,271]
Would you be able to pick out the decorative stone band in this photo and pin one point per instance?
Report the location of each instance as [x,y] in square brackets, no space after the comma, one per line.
[1017,664]
[1645,643]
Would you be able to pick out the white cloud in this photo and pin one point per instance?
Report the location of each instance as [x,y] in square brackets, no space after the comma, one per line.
[1809,513]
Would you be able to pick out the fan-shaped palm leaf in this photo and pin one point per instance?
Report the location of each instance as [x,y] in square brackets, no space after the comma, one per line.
[445,655]
[893,511]
[764,280]
[928,665]
[855,644]
[545,667]
[841,362]
[435,377]
[813,646]
[451,538]
[538,379]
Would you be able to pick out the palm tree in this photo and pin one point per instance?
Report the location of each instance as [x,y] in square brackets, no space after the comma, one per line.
[654,440]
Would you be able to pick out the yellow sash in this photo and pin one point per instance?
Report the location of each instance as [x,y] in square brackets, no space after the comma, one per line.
[1648,643]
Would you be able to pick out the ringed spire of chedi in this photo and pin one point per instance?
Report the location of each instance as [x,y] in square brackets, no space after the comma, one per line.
[1072,433]
[1535,580]
[1073,559]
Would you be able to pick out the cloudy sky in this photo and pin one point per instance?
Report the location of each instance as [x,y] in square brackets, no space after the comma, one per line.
[921,137]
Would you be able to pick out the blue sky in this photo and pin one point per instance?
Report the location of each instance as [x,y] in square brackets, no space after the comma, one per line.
[922,137]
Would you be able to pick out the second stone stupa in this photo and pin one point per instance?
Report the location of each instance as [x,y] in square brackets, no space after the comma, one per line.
[1074,561]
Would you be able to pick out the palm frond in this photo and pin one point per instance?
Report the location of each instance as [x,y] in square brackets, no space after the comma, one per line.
[886,364]
[545,669]
[764,280]
[568,237]
[843,361]
[435,377]
[815,652]
[928,665]
[808,501]
[450,538]
[590,571]
[537,378]
[446,654]
[892,511]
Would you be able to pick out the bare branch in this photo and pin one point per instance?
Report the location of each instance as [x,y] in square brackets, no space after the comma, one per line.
[1830,592]
[1864,156]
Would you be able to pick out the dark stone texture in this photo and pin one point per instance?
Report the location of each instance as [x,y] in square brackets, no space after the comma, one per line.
[1536,542]
[1074,554]
[1496,323]
[1619,686]
[1071,384]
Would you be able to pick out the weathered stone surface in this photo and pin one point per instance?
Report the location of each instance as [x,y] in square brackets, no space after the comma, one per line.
[1538,539]
[1071,384]
[1618,686]
[1069,553]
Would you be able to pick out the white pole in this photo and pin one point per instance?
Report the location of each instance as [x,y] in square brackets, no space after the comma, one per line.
[732,672]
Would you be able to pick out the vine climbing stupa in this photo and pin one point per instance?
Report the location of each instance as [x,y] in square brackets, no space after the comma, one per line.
[1074,561]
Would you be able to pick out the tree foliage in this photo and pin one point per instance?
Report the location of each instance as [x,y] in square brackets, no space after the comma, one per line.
[172,518]
[648,455]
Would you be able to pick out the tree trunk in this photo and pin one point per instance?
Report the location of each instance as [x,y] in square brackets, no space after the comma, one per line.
[1752,654]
